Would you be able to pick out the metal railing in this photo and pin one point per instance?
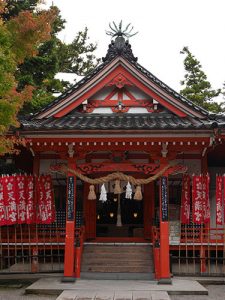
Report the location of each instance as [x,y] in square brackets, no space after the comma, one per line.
[31,248]
[198,251]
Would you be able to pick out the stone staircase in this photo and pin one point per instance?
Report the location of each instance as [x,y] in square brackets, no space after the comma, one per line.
[117,261]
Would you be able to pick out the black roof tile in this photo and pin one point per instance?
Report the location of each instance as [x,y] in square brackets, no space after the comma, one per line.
[125,121]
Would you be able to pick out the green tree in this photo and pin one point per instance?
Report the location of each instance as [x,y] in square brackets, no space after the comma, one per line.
[196,87]
[20,38]
[53,56]
[14,7]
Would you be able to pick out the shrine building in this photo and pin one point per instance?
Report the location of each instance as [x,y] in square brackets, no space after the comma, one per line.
[118,145]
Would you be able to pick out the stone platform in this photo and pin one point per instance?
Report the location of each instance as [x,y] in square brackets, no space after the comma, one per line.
[115,289]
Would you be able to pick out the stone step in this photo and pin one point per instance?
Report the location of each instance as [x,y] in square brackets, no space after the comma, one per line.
[118,248]
[118,276]
[114,262]
[117,259]
[118,256]
[107,252]
[116,269]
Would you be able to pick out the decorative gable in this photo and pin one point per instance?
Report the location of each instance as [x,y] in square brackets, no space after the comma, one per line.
[121,85]
[120,96]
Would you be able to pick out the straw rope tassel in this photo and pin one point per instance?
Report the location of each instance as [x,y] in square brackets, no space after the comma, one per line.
[138,193]
[91,195]
[117,189]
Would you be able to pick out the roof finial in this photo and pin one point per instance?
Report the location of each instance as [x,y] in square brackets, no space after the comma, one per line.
[117,31]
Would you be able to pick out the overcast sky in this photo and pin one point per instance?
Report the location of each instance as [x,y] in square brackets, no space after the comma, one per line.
[165,27]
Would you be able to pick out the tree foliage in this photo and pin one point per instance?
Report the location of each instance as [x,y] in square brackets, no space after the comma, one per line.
[53,56]
[13,8]
[196,87]
[20,38]
[31,55]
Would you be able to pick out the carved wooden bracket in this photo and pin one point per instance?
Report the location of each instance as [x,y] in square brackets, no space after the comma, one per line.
[118,167]
[120,81]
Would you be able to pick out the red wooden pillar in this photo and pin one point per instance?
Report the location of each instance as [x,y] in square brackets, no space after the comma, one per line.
[164,232]
[69,259]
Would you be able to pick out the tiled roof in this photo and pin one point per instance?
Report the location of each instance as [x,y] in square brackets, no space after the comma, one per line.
[125,121]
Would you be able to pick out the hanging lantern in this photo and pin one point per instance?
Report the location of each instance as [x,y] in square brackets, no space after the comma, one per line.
[111,214]
[117,189]
[128,191]
[103,195]
[135,215]
[138,193]
[91,195]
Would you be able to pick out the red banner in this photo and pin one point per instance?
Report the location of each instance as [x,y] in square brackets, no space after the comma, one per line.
[17,200]
[31,206]
[10,199]
[205,197]
[3,217]
[20,192]
[46,209]
[49,200]
[219,204]
[41,214]
[197,200]
[185,200]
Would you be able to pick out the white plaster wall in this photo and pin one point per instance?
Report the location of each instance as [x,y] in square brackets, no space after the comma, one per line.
[138,110]
[137,93]
[102,110]
[115,97]
[102,94]
[132,110]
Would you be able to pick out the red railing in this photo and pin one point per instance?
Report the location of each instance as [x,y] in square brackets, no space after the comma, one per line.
[202,235]
[31,234]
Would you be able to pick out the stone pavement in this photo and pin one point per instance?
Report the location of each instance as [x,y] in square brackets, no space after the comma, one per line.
[115,289]
[113,295]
